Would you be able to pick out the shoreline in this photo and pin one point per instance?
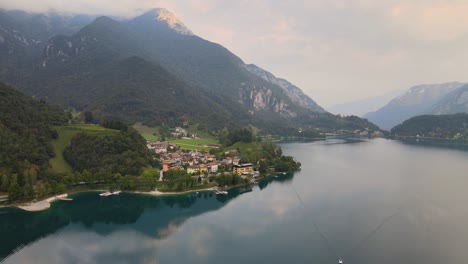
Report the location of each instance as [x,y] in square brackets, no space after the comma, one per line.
[45,204]
[41,205]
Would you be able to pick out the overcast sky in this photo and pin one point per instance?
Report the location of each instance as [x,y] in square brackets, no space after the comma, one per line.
[335,50]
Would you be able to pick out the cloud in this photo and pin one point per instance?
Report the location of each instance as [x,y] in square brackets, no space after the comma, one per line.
[335,50]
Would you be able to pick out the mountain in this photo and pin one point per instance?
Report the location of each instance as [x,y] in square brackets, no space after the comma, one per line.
[294,93]
[153,69]
[364,106]
[453,126]
[416,101]
[454,102]
[23,37]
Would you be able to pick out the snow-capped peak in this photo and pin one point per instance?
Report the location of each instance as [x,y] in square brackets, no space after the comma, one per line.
[172,21]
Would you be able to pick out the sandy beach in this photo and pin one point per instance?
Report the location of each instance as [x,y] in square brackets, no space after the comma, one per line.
[158,193]
[41,205]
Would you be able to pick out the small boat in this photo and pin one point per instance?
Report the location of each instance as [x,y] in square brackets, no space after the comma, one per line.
[105,194]
[219,192]
[340,261]
[116,192]
[64,199]
[284,173]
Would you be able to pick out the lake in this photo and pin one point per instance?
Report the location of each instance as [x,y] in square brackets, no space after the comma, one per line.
[368,201]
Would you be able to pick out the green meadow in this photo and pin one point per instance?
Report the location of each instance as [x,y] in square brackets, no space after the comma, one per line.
[66,133]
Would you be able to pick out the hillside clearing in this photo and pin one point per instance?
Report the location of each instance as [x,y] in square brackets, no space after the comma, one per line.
[66,133]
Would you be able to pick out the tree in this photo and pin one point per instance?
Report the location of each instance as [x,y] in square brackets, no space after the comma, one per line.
[5,183]
[28,191]
[88,116]
[128,183]
[149,178]
[14,191]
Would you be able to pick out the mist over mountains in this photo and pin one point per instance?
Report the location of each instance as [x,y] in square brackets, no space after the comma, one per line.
[152,69]
[427,99]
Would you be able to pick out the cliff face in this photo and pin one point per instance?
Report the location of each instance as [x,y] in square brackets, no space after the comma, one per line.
[454,102]
[294,93]
[263,99]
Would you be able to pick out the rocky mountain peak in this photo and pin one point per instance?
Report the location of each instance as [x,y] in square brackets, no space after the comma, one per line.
[170,19]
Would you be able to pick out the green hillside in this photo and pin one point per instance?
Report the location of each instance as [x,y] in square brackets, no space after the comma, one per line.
[65,134]
[437,126]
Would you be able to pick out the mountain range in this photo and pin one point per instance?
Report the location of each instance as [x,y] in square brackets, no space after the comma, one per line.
[363,106]
[152,69]
[444,98]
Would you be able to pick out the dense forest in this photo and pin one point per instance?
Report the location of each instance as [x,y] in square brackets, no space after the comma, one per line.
[26,135]
[124,152]
[438,126]
[26,132]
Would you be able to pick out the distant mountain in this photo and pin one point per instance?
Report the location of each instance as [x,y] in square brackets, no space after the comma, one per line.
[23,37]
[417,100]
[293,92]
[453,126]
[364,106]
[154,69]
[454,102]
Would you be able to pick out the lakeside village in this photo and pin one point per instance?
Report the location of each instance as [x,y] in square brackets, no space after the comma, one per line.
[200,164]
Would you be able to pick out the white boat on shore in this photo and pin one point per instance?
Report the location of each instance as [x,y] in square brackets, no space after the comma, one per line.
[105,194]
[116,192]
[219,192]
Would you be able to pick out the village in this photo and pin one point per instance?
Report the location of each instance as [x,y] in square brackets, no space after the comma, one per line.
[199,163]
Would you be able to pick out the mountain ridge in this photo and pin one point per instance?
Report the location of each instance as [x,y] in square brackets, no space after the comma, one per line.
[218,87]
[418,100]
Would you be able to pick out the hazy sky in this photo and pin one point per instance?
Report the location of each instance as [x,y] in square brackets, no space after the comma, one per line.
[335,50]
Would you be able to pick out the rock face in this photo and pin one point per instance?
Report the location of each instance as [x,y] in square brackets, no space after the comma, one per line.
[454,102]
[293,92]
[171,21]
[418,100]
[153,69]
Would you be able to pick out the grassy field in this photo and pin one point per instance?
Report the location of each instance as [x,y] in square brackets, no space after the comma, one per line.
[246,147]
[193,144]
[65,135]
[147,132]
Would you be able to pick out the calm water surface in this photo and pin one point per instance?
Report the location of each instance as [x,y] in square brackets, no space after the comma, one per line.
[376,201]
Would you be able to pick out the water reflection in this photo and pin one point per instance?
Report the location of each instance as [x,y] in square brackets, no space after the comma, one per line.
[436,143]
[380,201]
[106,215]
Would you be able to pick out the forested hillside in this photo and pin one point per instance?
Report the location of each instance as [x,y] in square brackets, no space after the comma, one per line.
[26,132]
[151,70]
[124,153]
[438,126]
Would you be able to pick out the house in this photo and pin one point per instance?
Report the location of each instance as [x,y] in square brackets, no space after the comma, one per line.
[227,160]
[172,146]
[213,167]
[235,161]
[157,147]
[169,165]
[210,157]
[246,168]
[203,168]
[193,169]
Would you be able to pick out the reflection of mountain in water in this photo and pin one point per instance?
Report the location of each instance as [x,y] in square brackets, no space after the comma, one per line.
[153,216]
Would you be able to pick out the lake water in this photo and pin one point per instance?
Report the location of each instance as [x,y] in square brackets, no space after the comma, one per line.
[376,201]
